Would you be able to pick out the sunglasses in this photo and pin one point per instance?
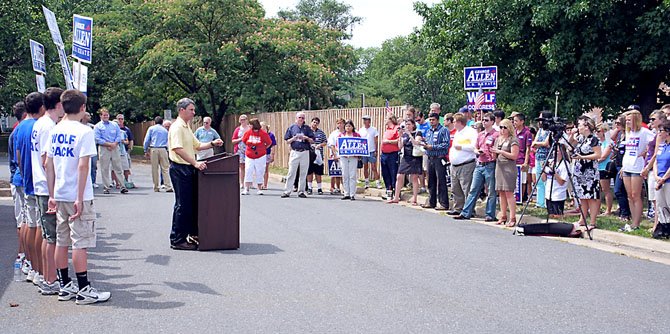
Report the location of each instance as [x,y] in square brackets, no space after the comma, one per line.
[486,120]
[503,127]
[666,130]
[652,119]
[617,123]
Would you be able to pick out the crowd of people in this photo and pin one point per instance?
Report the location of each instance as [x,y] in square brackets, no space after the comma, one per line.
[460,158]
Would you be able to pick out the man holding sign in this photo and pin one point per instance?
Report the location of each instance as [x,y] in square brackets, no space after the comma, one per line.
[299,136]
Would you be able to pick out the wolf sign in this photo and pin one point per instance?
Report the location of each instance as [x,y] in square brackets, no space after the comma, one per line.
[82,38]
[352,146]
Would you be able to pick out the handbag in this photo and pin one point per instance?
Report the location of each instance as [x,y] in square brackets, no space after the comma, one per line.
[360,163]
[417,151]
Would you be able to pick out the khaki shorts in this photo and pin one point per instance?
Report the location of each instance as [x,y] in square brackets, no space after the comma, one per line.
[31,212]
[651,186]
[125,162]
[47,220]
[19,203]
[79,233]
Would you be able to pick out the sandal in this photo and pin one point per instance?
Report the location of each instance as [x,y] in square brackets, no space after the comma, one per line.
[414,203]
[392,201]
[511,223]
[502,220]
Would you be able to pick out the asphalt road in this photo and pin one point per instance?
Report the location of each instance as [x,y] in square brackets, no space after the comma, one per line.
[322,265]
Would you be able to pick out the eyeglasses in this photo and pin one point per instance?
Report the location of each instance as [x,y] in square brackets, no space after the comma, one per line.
[301,117]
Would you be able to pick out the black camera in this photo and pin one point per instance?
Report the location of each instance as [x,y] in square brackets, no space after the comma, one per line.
[555,125]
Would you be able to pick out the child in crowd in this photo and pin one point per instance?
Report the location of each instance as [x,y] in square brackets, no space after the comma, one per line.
[555,175]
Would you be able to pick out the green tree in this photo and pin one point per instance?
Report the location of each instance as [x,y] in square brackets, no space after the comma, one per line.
[596,53]
[329,14]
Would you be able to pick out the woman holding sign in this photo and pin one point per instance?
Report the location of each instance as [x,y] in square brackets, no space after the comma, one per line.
[411,162]
[349,163]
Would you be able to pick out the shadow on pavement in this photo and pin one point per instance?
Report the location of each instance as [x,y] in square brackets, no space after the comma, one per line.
[253,249]
[191,286]
[161,260]
[9,244]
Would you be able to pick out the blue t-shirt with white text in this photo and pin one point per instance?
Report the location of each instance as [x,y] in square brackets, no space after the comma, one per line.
[23,145]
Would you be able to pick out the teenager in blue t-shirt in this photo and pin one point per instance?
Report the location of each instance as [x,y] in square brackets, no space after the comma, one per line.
[34,104]
[663,172]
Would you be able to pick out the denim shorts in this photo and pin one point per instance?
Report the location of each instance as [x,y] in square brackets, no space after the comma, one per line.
[629,174]
[372,158]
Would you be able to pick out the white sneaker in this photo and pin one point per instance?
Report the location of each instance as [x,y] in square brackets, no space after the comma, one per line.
[27,267]
[260,192]
[49,289]
[37,279]
[90,295]
[31,276]
[245,191]
[96,186]
[68,291]
[367,184]
[379,185]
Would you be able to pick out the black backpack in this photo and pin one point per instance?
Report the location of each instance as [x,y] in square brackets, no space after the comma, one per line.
[662,229]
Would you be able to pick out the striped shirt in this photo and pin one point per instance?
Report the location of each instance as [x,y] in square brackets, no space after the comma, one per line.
[320,138]
[439,139]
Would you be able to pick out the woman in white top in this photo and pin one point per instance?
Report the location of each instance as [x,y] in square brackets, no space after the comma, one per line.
[637,141]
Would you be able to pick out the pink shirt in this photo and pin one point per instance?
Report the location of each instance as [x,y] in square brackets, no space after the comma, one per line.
[486,140]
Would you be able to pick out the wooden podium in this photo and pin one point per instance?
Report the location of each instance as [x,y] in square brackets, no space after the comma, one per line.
[219,203]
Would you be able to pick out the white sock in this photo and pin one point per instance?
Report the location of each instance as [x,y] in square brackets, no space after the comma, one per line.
[319,185]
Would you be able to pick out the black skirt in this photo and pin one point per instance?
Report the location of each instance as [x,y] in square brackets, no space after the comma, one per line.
[411,166]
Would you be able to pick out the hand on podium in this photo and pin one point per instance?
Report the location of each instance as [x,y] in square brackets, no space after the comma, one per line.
[200,165]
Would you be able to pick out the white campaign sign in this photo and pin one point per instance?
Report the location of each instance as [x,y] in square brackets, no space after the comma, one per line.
[53,26]
[80,74]
[41,83]
[67,73]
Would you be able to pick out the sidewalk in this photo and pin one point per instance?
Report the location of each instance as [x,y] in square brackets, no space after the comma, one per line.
[609,241]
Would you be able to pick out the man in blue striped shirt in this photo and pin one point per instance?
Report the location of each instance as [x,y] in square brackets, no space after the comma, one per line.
[156,149]
[437,147]
[108,137]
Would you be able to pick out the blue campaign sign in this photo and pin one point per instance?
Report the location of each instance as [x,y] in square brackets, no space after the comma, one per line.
[37,54]
[485,77]
[489,102]
[82,38]
[352,146]
[334,168]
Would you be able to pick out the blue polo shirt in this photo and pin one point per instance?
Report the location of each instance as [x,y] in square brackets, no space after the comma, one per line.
[293,130]
[22,145]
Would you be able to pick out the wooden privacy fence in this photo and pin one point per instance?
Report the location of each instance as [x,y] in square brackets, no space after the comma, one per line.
[280,121]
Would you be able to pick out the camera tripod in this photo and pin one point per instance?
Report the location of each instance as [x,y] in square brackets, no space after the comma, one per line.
[553,150]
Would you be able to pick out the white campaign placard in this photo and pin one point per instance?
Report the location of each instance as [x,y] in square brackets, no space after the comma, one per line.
[82,38]
[80,75]
[53,26]
[67,72]
[41,83]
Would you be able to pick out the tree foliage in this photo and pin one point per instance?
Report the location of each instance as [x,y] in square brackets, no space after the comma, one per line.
[328,14]
[607,53]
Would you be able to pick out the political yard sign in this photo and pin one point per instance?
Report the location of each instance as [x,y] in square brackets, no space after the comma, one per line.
[82,38]
[37,53]
[488,103]
[53,26]
[352,146]
[334,168]
[484,77]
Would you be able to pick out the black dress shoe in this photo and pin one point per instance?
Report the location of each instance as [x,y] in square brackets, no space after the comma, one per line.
[285,195]
[302,195]
[427,206]
[345,197]
[459,217]
[184,246]
[439,208]
[453,213]
[490,219]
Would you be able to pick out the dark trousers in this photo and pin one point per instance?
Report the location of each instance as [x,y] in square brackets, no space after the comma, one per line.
[389,165]
[437,183]
[621,195]
[185,214]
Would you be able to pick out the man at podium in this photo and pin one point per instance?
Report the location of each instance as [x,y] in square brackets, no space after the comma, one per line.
[182,145]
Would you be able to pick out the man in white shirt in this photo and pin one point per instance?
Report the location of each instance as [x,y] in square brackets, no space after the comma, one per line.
[40,140]
[370,162]
[462,157]
[68,164]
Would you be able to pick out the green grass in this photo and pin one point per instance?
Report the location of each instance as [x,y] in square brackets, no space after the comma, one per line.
[610,223]
[137,150]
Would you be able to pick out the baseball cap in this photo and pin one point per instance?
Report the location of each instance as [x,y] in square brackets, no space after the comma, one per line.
[366,117]
[463,109]
[633,107]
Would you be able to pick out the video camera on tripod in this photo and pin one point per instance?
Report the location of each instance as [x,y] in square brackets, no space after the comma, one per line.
[554,124]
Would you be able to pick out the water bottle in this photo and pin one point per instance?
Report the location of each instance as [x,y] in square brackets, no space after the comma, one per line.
[18,275]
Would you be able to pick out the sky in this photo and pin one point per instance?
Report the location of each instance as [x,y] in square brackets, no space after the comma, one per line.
[382,19]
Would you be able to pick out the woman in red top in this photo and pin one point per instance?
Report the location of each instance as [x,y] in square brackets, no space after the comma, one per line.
[389,158]
[257,141]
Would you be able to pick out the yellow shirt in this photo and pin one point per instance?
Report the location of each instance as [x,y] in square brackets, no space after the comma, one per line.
[181,136]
